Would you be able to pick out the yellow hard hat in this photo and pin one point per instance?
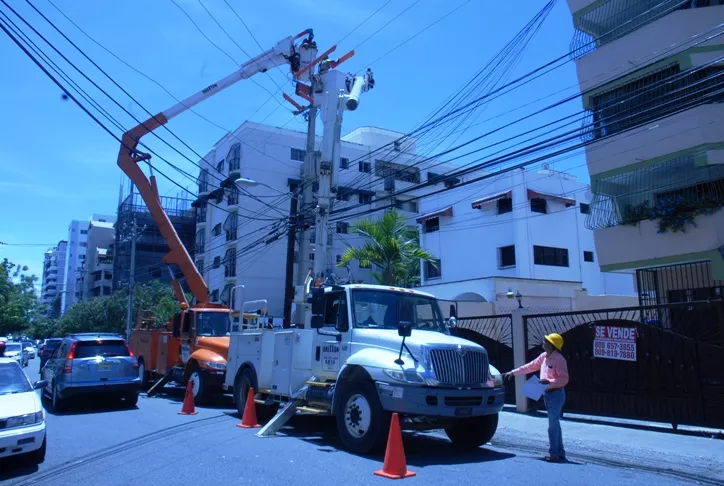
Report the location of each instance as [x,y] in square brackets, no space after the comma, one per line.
[556,340]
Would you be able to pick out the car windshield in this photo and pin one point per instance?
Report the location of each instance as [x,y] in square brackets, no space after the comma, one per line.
[212,324]
[381,309]
[13,380]
[13,348]
[51,343]
[106,348]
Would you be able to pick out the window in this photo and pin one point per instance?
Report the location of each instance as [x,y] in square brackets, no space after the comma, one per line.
[365,198]
[217,262]
[452,182]
[215,295]
[343,195]
[554,257]
[506,256]
[84,244]
[233,196]
[230,227]
[397,172]
[91,349]
[365,167]
[342,227]
[311,257]
[200,266]
[343,163]
[585,208]
[217,230]
[330,238]
[433,269]
[505,205]
[588,256]
[538,205]
[84,232]
[230,263]
[298,154]
[220,166]
[432,225]
[234,157]
[361,265]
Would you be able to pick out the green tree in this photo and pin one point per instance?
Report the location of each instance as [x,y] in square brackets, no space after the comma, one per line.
[392,247]
[19,303]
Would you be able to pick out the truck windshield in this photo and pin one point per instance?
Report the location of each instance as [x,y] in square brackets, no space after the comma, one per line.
[381,309]
[212,324]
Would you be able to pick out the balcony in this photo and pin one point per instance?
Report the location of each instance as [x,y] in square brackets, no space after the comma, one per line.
[673,193]
[201,215]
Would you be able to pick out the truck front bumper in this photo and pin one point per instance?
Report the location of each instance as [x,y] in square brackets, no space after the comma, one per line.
[440,402]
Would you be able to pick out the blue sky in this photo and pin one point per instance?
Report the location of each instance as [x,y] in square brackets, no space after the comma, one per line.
[58,165]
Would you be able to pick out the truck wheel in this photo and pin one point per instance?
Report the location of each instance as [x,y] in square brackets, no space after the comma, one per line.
[362,423]
[471,433]
[243,382]
[143,374]
[199,387]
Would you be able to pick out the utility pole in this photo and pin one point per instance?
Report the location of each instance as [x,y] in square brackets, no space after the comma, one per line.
[307,199]
[129,316]
[291,240]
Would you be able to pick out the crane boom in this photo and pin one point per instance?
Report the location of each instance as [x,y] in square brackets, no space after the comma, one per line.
[284,52]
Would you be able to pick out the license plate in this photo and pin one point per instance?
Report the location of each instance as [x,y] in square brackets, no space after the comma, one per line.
[104,366]
[463,411]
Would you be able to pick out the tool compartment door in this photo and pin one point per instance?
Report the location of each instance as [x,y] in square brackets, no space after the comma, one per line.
[282,367]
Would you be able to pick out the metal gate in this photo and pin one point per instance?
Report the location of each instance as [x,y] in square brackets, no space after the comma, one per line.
[495,334]
[678,373]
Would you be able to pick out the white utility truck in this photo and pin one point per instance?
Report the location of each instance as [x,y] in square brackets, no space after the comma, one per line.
[368,351]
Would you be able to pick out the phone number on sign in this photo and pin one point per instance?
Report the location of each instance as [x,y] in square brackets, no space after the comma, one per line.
[614,350]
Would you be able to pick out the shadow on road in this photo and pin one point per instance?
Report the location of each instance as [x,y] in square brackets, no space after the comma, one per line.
[421,449]
[16,467]
[173,394]
[90,405]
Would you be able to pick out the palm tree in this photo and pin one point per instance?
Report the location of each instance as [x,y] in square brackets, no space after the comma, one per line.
[390,246]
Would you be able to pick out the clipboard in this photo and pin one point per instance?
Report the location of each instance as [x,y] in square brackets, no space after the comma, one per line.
[533,389]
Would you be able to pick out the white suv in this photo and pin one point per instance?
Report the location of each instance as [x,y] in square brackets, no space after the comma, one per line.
[22,418]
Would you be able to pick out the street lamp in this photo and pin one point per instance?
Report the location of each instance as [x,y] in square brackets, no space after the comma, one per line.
[519,298]
[244,182]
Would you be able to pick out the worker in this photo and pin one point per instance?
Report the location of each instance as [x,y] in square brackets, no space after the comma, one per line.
[554,373]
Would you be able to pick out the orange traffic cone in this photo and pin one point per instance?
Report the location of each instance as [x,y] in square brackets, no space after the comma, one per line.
[248,420]
[188,407]
[395,466]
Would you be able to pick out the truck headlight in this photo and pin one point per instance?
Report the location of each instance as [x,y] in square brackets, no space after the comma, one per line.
[496,375]
[25,420]
[215,365]
[408,376]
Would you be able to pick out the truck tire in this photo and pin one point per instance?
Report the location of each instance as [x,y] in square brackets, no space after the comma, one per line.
[200,388]
[243,382]
[473,432]
[362,423]
[143,374]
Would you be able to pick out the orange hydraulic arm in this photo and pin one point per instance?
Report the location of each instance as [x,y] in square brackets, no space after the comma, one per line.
[285,52]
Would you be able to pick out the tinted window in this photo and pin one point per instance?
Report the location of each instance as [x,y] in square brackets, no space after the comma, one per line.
[52,343]
[91,349]
[13,348]
[12,379]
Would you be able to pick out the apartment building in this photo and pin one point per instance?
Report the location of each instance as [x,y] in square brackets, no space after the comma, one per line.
[53,278]
[76,257]
[232,221]
[96,274]
[523,225]
[657,188]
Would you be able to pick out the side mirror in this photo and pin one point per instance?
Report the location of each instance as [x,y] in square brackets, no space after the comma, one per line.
[317,301]
[404,329]
[40,384]
[452,322]
[317,322]
[176,331]
[453,311]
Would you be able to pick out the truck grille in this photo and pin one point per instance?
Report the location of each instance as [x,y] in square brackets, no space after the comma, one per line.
[460,366]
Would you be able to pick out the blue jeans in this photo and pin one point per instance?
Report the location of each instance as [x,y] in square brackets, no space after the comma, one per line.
[554,401]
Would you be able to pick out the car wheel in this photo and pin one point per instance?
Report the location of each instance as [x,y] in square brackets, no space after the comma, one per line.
[473,432]
[38,456]
[198,385]
[130,400]
[57,403]
[362,423]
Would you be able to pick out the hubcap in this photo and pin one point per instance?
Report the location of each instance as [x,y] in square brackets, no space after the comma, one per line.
[195,382]
[141,371]
[357,416]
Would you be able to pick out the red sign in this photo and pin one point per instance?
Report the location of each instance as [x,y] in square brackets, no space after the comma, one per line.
[615,343]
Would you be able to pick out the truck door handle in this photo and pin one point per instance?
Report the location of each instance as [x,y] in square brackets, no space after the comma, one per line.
[317,354]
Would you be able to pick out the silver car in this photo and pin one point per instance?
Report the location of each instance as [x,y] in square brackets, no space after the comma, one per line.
[91,364]
[17,352]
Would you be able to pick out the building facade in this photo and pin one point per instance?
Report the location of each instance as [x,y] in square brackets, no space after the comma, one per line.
[54,265]
[651,74]
[96,277]
[524,224]
[241,233]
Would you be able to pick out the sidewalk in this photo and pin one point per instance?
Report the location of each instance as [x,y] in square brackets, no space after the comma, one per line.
[689,455]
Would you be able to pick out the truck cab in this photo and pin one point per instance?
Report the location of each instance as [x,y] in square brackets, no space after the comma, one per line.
[369,351]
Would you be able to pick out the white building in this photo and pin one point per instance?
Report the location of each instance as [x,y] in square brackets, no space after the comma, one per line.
[53,278]
[273,156]
[76,256]
[522,224]
[97,271]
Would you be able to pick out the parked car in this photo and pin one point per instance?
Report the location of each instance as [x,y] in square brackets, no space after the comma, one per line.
[15,351]
[46,350]
[22,418]
[91,364]
[29,348]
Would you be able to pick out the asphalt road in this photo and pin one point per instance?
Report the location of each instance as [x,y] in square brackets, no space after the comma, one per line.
[153,444]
